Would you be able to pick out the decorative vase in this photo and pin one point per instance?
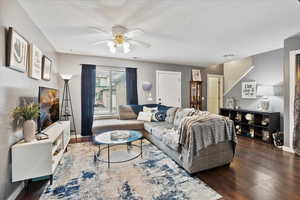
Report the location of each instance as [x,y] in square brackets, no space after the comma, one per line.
[29,129]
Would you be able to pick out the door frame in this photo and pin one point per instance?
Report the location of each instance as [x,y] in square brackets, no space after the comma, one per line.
[156,83]
[222,88]
[292,83]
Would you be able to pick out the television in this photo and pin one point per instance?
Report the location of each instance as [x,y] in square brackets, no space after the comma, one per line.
[49,107]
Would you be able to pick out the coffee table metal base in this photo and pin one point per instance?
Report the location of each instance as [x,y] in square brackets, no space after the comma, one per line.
[108,146]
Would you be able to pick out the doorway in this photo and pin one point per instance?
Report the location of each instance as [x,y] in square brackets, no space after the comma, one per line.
[289,146]
[215,92]
[168,88]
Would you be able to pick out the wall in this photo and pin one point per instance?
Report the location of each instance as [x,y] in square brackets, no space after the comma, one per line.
[70,64]
[268,71]
[290,44]
[234,70]
[14,85]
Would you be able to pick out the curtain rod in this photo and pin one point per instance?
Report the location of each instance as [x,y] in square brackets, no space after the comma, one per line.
[107,66]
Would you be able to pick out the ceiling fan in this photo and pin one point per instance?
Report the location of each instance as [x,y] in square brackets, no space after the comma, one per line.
[121,39]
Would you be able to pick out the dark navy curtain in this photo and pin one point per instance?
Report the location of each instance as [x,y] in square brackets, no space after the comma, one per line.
[88,86]
[131,86]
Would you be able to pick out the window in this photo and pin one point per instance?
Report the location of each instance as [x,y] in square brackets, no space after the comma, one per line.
[110,91]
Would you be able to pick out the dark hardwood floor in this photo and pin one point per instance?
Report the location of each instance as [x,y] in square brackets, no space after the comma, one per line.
[259,171]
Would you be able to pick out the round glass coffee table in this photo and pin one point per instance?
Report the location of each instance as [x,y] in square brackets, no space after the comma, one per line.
[108,141]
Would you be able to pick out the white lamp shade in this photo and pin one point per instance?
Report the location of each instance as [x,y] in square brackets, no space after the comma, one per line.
[265,90]
[147,86]
[66,76]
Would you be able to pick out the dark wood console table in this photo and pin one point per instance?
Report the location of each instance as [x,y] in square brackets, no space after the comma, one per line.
[261,124]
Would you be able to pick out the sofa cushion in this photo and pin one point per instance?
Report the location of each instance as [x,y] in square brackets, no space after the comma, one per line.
[152,127]
[163,108]
[164,132]
[171,138]
[139,108]
[170,115]
[126,112]
[100,126]
[180,114]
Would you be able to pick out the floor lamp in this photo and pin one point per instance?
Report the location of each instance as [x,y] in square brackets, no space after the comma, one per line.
[66,112]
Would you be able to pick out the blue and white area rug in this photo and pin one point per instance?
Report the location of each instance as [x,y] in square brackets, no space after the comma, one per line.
[155,177]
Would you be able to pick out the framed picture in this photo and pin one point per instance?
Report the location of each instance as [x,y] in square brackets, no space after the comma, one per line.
[35,62]
[17,51]
[249,90]
[196,75]
[46,68]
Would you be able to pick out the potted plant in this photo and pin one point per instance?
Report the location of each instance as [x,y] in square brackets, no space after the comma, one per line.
[26,115]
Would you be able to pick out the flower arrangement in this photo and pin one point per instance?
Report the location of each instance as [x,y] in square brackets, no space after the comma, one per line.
[27,112]
[26,115]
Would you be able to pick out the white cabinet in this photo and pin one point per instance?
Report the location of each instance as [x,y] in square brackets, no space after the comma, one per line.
[40,158]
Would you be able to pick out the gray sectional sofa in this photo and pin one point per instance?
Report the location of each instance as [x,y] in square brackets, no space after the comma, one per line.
[165,136]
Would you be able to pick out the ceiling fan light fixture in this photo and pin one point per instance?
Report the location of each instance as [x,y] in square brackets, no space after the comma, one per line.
[111,44]
[126,47]
[121,40]
[126,44]
[126,50]
[113,49]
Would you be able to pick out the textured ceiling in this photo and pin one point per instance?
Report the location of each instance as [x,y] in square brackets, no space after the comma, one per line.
[194,32]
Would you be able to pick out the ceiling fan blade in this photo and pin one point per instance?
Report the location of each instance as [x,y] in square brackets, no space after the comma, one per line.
[134,33]
[100,30]
[139,43]
[102,42]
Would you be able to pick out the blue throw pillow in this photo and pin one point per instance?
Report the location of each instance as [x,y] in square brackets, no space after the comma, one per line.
[136,108]
[161,108]
[159,116]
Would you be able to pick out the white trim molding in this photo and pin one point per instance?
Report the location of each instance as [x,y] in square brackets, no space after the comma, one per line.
[288,149]
[16,192]
[73,136]
[292,83]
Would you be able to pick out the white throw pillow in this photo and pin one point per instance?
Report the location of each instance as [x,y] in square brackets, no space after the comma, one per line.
[145,116]
[153,118]
[150,109]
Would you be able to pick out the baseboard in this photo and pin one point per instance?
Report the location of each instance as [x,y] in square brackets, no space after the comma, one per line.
[288,149]
[80,139]
[17,191]
[79,136]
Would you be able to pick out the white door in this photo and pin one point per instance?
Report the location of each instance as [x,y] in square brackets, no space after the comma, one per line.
[168,88]
[214,93]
